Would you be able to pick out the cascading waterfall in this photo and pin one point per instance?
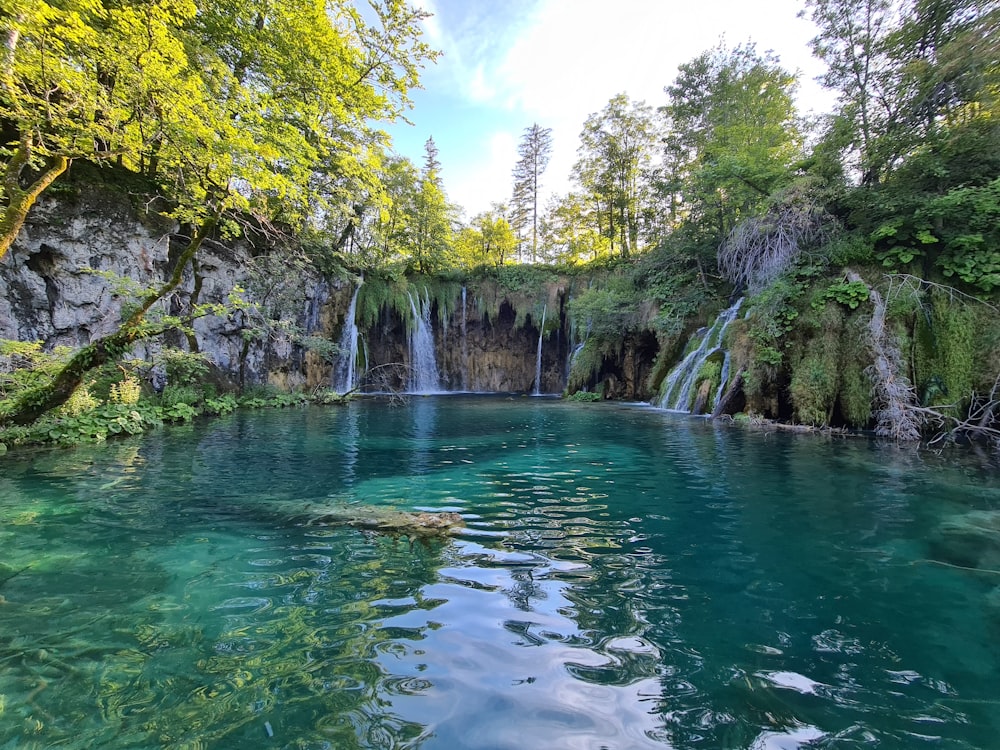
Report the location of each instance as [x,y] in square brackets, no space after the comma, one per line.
[675,393]
[345,372]
[424,377]
[538,356]
[465,348]
[321,292]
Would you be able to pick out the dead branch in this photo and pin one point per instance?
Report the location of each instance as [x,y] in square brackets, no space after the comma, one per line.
[760,248]
[897,415]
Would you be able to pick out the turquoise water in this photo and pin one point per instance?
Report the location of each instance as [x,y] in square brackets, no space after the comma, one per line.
[627,578]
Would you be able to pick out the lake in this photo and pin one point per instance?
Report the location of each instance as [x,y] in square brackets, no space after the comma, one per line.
[626,578]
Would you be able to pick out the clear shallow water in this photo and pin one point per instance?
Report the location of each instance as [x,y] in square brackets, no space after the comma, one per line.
[627,579]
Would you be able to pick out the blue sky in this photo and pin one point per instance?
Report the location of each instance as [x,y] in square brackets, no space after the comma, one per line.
[509,63]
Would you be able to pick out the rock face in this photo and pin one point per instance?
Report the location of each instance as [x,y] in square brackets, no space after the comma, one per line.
[477,353]
[48,291]
[58,285]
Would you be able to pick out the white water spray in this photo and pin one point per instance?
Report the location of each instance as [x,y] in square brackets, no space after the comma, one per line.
[675,393]
[345,372]
[424,376]
[538,356]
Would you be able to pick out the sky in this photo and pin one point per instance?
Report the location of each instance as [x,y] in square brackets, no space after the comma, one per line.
[506,64]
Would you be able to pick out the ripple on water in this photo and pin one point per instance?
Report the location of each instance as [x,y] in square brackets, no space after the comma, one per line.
[649,582]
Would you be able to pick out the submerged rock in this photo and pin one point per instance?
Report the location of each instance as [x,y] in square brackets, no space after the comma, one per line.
[391,521]
[969,539]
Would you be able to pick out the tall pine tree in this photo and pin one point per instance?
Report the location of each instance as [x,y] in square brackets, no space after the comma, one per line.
[535,151]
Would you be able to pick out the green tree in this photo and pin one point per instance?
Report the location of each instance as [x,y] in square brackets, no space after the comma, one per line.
[535,150]
[903,69]
[83,79]
[853,42]
[430,241]
[731,140]
[274,96]
[496,238]
[615,154]
[570,231]
[388,220]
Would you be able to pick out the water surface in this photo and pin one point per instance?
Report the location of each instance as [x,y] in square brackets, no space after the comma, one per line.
[627,578]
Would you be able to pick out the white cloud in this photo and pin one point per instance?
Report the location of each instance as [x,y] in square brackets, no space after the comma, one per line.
[485,181]
[558,61]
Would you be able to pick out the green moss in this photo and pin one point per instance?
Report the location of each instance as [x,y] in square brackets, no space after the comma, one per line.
[382,292]
[855,385]
[815,376]
[948,337]
[711,372]
[588,362]
[585,396]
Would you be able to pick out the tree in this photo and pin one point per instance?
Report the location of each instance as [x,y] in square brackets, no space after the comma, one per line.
[272,96]
[535,151]
[430,241]
[497,240]
[83,80]
[570,230]
[616,148]
[388,218]
[902,69]
[145,82]
[853,42]
[731,140]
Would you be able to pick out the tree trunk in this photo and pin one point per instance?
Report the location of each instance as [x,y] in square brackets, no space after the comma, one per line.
[20,200]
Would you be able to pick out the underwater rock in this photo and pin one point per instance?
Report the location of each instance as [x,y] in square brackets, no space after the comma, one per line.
[391,521]
[969,539]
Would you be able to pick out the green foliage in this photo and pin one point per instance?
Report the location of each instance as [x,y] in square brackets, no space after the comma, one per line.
[615,153]
[220,405]
[710,372]
[847,293]
[849,249]
[585,397]
[24,365]
[382,291]
[815,375]
[733,136]
[183,368]
[267,396]
[126,391]
[174,394]
[855,394]
[586,365]
[329,398]
[969,218]
[952,336]
[81,401]
[771,315]
[608,312]
[94,425]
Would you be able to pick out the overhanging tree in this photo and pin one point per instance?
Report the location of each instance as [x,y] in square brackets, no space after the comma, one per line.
[271,95]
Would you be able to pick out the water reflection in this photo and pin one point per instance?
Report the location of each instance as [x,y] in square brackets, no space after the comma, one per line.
[626,579]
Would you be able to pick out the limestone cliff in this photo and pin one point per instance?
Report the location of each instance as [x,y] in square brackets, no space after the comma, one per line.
[58,285]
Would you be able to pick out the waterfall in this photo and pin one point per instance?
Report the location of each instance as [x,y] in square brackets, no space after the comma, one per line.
[675,393]
[345,372]
[424,377]
[321,292]
[465,348]
[538,356]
